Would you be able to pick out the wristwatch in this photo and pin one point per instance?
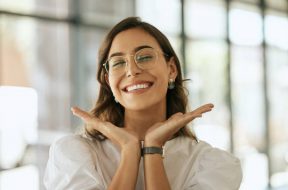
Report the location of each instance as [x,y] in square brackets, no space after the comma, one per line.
[152,150]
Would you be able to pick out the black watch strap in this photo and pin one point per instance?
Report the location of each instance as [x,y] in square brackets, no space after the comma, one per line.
[152,150]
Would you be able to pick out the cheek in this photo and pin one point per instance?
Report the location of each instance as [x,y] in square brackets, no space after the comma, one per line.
[160,85]
[114,86]
[163,86]
[163,80]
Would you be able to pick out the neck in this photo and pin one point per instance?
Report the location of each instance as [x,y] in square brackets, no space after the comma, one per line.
[139,121]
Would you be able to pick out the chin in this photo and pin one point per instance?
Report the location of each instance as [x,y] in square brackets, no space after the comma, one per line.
[143,104]
[135,105]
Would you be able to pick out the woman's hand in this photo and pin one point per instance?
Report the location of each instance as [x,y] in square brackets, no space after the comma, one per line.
[119,136]
[127,172]
[159,133]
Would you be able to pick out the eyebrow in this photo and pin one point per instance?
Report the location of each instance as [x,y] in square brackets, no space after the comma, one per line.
[135,50]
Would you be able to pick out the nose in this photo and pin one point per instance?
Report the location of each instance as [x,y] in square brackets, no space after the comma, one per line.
[132,68]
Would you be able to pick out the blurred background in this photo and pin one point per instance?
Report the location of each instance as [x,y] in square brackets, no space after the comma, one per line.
[234,51]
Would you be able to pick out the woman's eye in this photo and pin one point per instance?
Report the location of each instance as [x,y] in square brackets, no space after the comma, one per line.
[144,58]
[118,63]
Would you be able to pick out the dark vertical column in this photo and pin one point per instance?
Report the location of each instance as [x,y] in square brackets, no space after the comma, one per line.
[76,68]
[228,79]
[134,4]
[183,38]
[265,92]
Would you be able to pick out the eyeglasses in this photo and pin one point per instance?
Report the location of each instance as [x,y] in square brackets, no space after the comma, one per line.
[145,59]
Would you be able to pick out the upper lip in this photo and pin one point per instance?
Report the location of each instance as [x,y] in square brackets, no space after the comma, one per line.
[135,83]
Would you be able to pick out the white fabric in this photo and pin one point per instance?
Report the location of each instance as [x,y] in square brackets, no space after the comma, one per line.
[76,162]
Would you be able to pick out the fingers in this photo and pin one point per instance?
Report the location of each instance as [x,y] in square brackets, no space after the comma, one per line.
[202,109]
[85,116]
[80,113]
[92,122]
[184,119]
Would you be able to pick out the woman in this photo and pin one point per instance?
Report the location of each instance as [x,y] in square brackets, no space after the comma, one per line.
[141,110]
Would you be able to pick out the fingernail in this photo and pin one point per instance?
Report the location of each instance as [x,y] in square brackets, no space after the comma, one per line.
[73,110]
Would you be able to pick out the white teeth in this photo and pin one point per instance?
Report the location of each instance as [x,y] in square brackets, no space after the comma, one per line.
[137,86]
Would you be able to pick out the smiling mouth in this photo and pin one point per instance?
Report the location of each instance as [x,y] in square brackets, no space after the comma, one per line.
[137,87]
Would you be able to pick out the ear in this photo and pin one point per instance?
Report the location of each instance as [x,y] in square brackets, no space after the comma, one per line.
[107,79]
[173,72]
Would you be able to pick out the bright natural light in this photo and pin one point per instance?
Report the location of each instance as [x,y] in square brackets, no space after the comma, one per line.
[205,20]
[25,177]
[168,20]
[24,5]
[18,123]
[276,31]
[245,27]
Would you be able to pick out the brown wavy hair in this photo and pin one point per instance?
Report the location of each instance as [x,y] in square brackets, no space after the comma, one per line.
[107,109]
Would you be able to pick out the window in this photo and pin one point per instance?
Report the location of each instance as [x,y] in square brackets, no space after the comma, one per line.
[51,48]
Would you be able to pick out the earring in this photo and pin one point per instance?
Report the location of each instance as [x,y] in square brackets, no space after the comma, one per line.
[116,100]
[171,84]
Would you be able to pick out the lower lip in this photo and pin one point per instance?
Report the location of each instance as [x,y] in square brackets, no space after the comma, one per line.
[139,91]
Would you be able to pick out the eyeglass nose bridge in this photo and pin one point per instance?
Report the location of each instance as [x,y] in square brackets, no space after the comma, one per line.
[129,60]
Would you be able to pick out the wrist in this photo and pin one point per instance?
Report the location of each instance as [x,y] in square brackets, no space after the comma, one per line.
[152,143]
[132,150]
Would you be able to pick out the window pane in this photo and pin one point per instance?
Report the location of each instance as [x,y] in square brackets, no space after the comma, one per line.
[278,93]
[18,123]
[23,6]
[54,8]
[277,4]
[176,44]
[245,26]
[276,30]
[164,14]
[205,19]
[25,177]
[105,13]
[207,70]
[248,1]
[35,54]
[248,118]
[90,39]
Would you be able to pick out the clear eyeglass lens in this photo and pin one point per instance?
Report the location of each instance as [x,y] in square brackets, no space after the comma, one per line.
[144,58]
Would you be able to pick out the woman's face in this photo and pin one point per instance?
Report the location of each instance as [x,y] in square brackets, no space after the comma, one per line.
[137,88]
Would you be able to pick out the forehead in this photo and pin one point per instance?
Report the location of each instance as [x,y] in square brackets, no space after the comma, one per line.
[126,41]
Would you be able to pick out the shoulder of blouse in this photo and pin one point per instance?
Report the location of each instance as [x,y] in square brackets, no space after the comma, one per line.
[221,167]
[74,147]
[214,156]
[201,151]
[71,165]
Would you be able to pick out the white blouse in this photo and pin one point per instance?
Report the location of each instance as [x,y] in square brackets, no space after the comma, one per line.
[78,163]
